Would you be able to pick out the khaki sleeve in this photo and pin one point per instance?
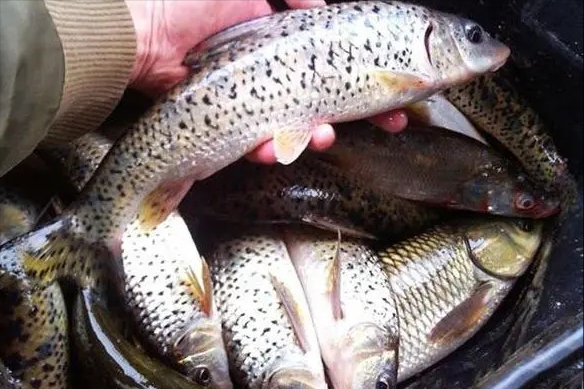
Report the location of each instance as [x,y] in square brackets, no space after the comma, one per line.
[65,65]
[99,44]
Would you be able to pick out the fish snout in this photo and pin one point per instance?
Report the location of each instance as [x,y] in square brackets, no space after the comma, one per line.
[298,378]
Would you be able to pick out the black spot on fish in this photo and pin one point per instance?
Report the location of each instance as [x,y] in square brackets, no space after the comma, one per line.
[206,100]
[182,125]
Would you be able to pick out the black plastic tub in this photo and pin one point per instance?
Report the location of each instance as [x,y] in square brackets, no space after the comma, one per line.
[535,339]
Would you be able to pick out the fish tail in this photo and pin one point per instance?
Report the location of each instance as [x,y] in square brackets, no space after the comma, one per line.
[49,253]
[34,335]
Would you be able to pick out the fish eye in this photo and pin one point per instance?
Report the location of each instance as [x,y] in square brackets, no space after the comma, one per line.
[525,202]
[382,382]
[202,376]
[474,33]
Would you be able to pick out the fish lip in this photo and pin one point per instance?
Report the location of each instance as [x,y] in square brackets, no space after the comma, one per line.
[501,58]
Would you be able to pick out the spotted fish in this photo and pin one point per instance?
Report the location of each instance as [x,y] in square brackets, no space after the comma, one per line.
[448,281]
[268,329]
[352,307]
[275,77]
[166,284]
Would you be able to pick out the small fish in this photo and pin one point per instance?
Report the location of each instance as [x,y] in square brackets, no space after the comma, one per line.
[268,330]
[167,286]
[448,281]
[352,307]
[33,327]
[108,360]
[496,107]
[438,167]
[266,79]
[437,111]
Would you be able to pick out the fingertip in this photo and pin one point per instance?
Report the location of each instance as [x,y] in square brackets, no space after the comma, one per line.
[393,121]
[298,4]
[323,137]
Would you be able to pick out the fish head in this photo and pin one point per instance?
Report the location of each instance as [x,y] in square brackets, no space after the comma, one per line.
[459,49]
[504,247]
[367,359]
[202,354]
[498,189]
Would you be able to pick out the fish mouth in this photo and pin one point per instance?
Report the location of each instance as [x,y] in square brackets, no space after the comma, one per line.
[501,56]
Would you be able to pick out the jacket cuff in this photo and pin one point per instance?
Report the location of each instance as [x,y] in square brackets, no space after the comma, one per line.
[99,45]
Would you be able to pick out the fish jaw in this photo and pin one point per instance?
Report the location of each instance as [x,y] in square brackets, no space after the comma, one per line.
[202,354]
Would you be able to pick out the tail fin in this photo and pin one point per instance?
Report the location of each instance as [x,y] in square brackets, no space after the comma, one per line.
[51,252]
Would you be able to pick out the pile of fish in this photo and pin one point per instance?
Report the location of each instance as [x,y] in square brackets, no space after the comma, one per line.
[353,268]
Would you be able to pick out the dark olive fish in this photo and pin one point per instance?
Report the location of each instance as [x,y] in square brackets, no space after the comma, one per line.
[265,79]
[443,168]
[497,108]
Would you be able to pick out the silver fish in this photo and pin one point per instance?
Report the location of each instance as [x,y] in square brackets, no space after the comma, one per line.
[352,308]
[268,330]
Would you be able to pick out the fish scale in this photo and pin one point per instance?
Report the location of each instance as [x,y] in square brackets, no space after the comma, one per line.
[443,294]
[259,334]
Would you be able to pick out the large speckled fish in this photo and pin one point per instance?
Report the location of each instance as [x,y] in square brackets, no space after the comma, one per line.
[496,107]
[167,287]
[275,77]
[352,308]
[33,327]
[448,281]
[268,330]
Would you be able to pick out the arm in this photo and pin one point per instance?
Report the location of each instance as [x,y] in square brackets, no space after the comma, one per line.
[65,65]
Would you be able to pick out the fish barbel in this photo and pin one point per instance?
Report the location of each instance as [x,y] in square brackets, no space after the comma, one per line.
[268,329]
[352,308]
[268,78]
[448,281]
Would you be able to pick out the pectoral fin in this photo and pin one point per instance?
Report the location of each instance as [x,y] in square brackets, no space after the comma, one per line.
[201,290]
[396,81]
[296,311]
[161,202]
[325,223]
[464,319]
[289,143]
[333,279]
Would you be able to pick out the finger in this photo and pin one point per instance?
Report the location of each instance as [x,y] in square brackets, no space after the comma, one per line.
[393,121]
[263,154]
[305,3]
[323,137]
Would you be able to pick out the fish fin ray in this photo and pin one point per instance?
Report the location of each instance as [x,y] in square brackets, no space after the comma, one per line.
[398,81]
[325,223]
[464,318]
[201,291]
[333,280]
[161,202]
[224,40]
[294,311]
[289,143]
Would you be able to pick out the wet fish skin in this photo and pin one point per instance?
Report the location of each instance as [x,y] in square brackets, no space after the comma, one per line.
[108,359]
[478,179]
[162,279]
[448,281]
[199,128]
[270,338]
[33,327]
[352,307]
[307,192]
[497,108]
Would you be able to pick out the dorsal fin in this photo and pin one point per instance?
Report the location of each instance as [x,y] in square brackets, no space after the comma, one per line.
[299,317]
[333,279]
[223,40]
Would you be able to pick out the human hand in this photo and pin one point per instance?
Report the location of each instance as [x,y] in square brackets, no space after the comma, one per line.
[166,30]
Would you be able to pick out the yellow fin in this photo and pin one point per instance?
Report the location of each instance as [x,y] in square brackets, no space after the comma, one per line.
[333,280]
[464,319]
[396,81]
[161,202]
[290,143]
[298,317]
[202,292]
